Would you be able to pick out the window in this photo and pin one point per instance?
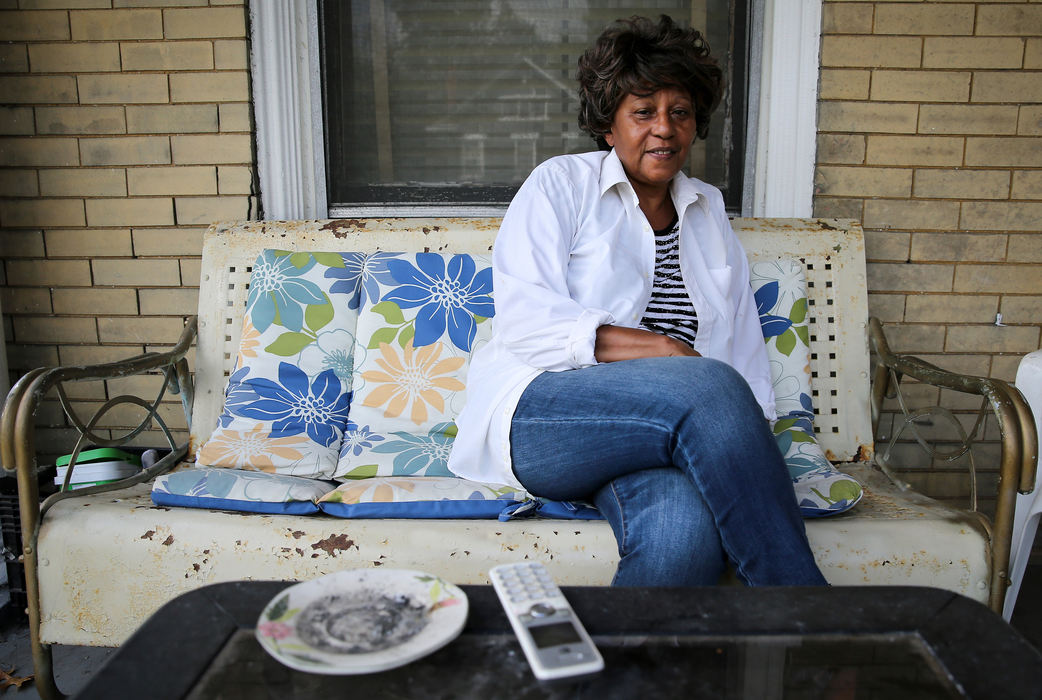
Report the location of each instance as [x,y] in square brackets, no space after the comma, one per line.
[455,101]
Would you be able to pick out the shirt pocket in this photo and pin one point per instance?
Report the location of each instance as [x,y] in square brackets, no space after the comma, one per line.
[721,278]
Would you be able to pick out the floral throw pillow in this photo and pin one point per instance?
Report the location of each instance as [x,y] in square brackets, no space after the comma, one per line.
[287,400]
[780,292]
[424,314]
[781,300]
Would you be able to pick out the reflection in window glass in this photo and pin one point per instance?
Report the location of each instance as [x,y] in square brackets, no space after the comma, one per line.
[457,100]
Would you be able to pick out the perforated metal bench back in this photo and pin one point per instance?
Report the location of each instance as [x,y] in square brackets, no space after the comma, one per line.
[832,252]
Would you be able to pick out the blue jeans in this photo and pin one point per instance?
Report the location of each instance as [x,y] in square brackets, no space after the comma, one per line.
[677,456]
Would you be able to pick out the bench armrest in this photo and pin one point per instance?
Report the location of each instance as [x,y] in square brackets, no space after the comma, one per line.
[1019,438]
[17,434]
[18,450]
[24,398]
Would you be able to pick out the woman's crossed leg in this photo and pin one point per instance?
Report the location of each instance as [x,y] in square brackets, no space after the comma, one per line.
[677,455]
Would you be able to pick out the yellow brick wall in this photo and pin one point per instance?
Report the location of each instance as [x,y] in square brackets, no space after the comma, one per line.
[930,132]
[125,129]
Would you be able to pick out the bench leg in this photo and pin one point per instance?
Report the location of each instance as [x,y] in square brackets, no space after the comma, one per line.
[18,453]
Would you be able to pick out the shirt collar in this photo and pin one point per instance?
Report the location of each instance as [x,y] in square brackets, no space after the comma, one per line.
[613,174]
[684,190]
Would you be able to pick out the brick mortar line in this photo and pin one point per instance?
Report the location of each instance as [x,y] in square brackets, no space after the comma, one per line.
[958,168]
[122,72]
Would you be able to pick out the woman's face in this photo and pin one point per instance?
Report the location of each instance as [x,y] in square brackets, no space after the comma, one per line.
[652,136]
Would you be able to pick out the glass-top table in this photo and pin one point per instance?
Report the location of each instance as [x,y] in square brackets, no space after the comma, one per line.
[724,642]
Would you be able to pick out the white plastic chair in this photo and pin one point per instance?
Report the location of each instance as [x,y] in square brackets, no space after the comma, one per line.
[1029,507]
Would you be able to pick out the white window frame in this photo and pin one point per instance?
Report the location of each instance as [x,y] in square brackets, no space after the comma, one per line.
[782,131]
[287,108]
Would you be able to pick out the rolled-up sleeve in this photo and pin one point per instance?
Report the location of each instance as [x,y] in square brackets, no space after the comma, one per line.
[536,316]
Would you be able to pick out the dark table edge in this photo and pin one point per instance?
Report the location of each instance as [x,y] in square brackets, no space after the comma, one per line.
[974,644]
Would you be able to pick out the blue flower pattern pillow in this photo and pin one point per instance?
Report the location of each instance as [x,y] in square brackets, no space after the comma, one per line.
[287,400]
[781,299]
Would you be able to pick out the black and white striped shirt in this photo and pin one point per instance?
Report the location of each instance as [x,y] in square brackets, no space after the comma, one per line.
[670,310]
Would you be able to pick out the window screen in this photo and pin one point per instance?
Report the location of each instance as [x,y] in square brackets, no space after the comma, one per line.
[455,101]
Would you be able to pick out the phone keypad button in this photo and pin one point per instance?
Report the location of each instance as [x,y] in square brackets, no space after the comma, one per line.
[541,610]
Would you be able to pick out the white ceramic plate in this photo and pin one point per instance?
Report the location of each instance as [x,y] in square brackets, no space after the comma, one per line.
[361,621]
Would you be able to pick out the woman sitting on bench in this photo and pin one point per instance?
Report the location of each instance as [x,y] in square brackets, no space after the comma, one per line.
[627,365]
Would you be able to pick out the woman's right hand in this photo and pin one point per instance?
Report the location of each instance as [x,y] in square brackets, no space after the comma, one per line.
[616,343]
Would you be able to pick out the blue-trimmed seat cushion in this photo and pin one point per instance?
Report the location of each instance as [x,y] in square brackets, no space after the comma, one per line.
[820,488]
[422,497]
[376,497]
[241,490]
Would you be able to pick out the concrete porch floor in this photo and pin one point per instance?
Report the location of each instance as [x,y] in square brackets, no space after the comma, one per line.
[74,665]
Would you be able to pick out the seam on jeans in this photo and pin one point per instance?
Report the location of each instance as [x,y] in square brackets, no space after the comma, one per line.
[739,569]
[603,419]
[622,520]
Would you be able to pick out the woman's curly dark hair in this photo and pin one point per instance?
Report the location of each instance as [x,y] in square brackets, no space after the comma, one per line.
[638,56]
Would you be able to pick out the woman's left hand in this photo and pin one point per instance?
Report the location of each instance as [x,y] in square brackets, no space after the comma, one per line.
[616,343]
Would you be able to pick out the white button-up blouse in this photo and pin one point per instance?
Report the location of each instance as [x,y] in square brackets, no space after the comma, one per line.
[575,252]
